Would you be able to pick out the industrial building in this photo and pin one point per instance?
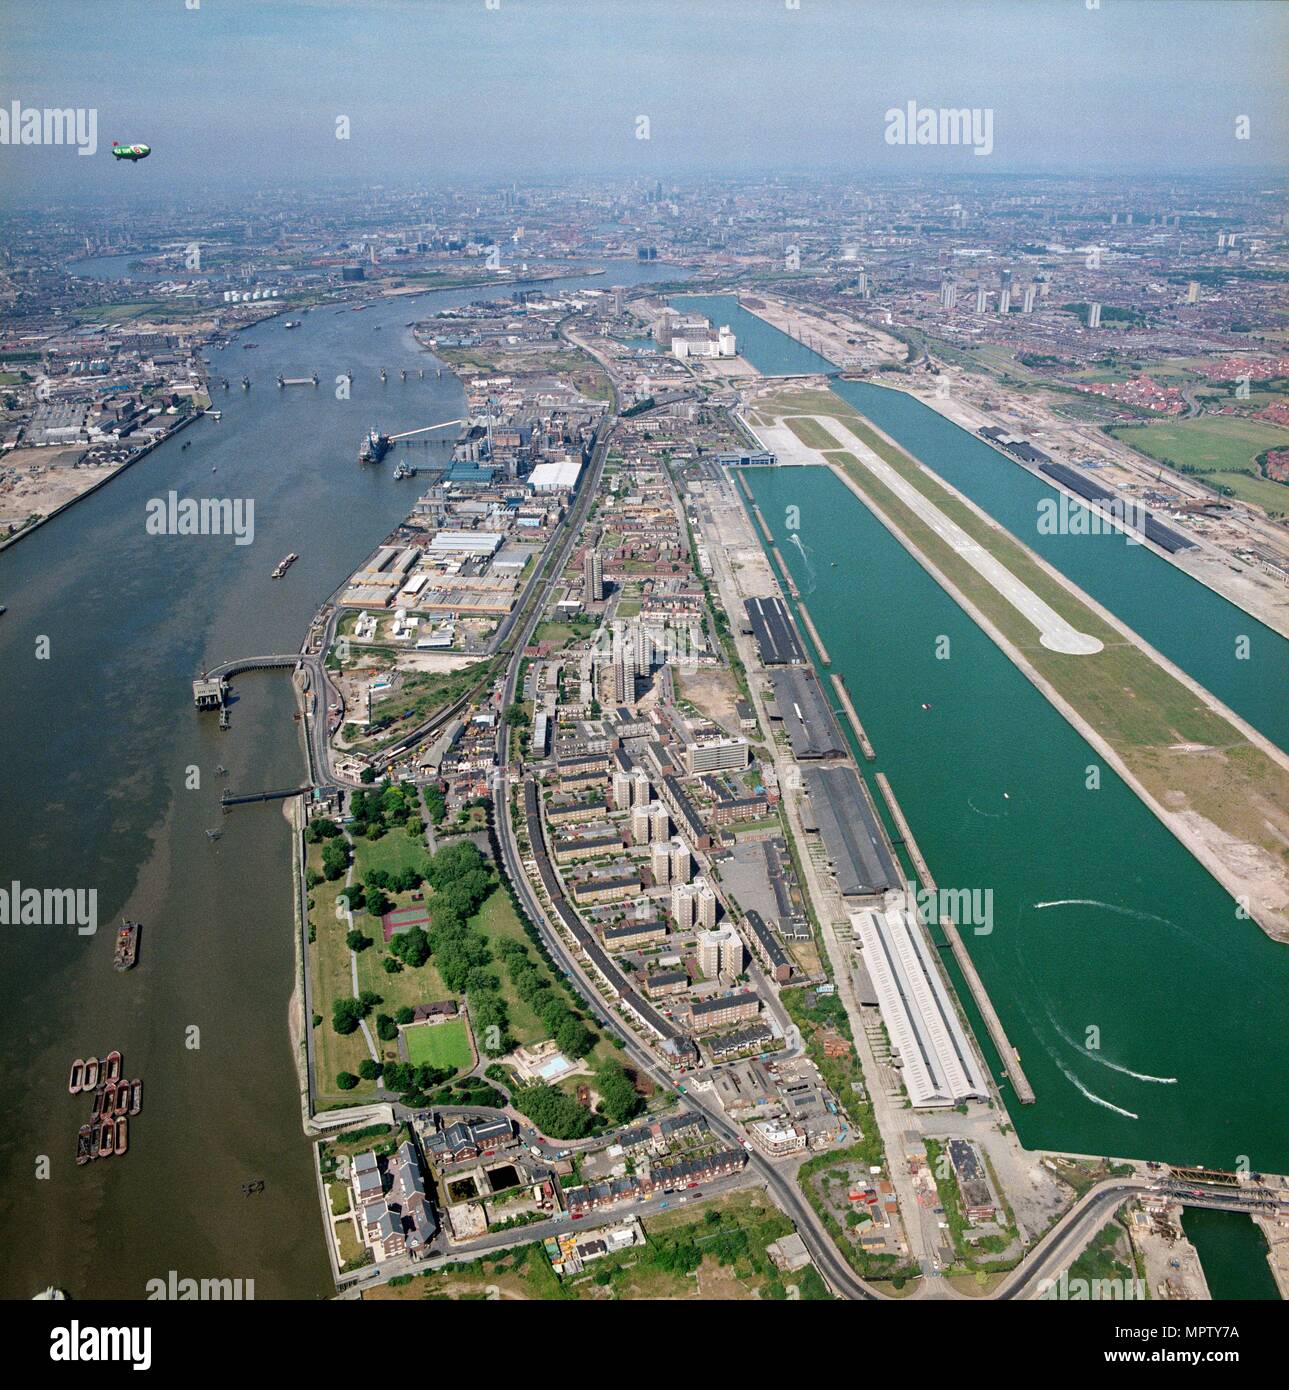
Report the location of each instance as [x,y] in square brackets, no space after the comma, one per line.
[800,703]
[776,638]
[845,818]
[939,1065]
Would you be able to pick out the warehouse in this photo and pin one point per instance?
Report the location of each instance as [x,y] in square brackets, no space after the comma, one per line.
[939,1067]
[851,834]
[776,638]
[800,703]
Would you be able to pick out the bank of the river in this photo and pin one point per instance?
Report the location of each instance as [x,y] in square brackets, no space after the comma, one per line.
[115,789]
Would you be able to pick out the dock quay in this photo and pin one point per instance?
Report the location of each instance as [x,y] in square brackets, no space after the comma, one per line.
[230,799]
[761,522]
[789,583]
[906,835]
[814,633]
[839,685]
[1006,1052]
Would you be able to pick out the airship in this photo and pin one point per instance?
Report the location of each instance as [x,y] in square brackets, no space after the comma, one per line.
[130,152]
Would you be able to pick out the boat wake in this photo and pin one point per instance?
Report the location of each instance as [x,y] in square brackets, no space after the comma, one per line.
[991,815]
[1110,907]
[795,539]
[1064,1070]
[1094,1098]
[1106,1062]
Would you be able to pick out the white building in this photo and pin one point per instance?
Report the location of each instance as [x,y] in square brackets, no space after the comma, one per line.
[558,476]
[939,1065]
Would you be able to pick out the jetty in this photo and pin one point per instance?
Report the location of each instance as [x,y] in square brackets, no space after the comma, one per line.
[839,685]
[814,633]
[993,1024]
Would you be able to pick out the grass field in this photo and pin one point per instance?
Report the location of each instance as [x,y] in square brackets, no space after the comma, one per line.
[811,432]
[1222,448]
[444,1044]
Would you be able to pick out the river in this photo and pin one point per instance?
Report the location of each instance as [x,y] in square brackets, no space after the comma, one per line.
[102,745]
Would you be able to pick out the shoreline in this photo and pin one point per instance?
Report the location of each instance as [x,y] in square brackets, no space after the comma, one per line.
[105,479]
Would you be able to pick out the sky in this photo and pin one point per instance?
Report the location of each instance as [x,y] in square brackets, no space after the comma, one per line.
[242,93]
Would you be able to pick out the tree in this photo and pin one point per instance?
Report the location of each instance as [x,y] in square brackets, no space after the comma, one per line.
[346,1080]
[346,1014]
[618,1097]
[574,1038]
[356,941]
[335,859]
[369,1070]
[321,828]
[411,947]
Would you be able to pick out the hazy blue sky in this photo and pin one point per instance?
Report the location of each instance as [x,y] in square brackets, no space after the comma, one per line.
[249,90]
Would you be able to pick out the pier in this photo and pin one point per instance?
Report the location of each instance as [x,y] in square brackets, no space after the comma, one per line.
[814,632]
[230,799]
[1007,1054]
[789,583]
[839,685]
[760,520]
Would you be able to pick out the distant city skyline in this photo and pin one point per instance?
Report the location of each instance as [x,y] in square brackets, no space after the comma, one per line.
[235,94]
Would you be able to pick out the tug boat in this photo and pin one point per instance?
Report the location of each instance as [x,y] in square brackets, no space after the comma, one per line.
[285,564]
[76,1078]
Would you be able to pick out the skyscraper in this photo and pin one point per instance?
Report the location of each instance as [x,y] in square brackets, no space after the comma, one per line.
[593,575]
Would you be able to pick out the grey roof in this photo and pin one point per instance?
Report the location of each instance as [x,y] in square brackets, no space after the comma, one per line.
[862,863]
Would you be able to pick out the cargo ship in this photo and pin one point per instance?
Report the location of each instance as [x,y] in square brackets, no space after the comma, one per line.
[127,946]
[374,447]
[285,564]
